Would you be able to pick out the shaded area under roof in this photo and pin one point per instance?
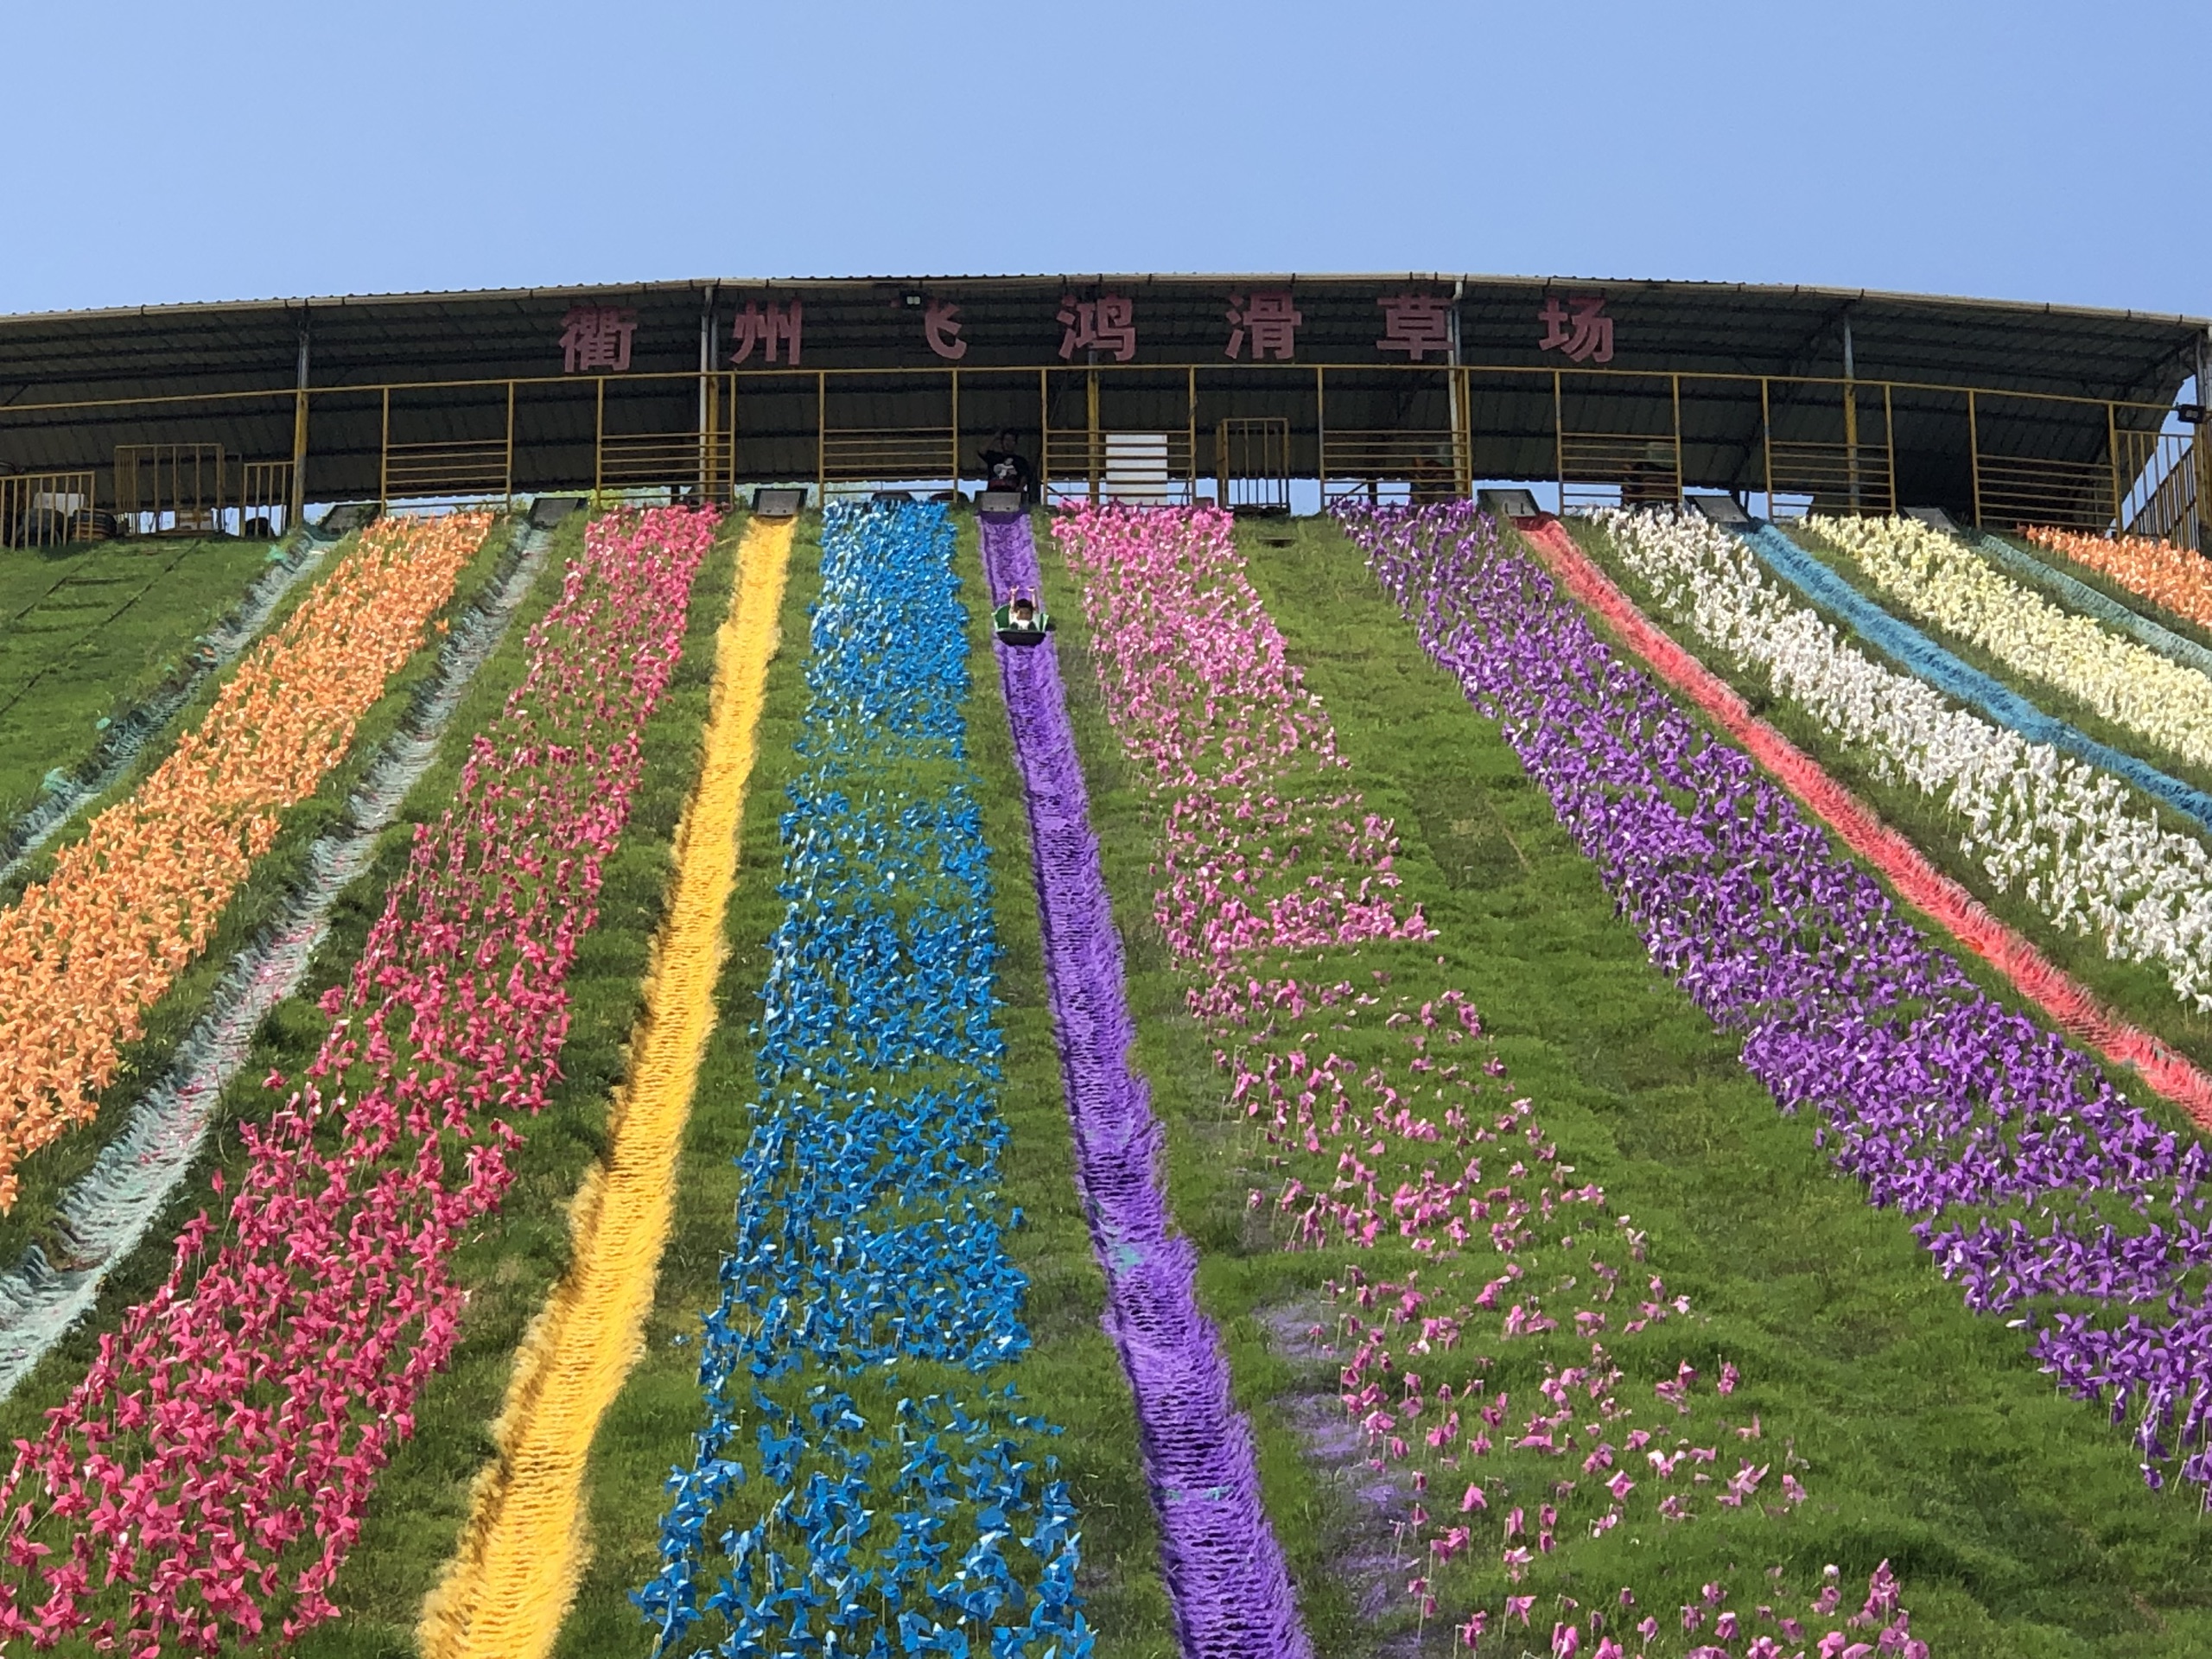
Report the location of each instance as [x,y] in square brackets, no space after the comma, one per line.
[138,375]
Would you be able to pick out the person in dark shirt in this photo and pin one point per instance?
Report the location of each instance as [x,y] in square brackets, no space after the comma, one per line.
[1006,468]
[1021,621]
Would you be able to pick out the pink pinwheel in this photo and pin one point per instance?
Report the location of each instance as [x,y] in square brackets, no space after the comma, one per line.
[1269,871]
[215,1461]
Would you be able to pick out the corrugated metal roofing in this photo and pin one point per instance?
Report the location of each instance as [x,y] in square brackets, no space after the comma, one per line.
[856,321]
[119,358]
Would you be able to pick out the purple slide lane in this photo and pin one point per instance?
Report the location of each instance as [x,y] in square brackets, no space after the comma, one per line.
[1226,1580]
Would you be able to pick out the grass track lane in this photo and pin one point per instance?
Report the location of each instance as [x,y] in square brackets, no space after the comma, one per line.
[2017,1518]
[520,1556]
[61,671]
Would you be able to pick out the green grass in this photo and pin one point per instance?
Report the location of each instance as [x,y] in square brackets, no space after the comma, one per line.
[293,1029]
[47,1175]
[293,1032]
[414,1518]
[2139,990]
[1070,1376]
[1202,1168]
[649,1430]
[87,631]
[2015,1518]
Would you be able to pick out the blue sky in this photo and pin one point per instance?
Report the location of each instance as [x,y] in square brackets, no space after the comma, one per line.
[2028,151]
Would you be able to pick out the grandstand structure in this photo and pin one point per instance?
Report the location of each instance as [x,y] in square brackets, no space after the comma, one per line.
[192,417]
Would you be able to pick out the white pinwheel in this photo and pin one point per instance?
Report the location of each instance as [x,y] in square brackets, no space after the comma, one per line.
[2078,844]
[1947,584]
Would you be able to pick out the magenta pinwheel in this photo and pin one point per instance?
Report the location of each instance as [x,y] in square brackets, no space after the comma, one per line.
[1392,1119]
[1944,1103]
[203,1483]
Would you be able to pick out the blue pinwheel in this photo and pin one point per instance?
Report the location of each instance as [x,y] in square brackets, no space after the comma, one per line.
[869,1227]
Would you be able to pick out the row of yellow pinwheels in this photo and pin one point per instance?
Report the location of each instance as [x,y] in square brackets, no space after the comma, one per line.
[1936,577]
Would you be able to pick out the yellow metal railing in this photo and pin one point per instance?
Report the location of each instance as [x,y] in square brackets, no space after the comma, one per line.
[1853,470]
[1265,373]
[2020,490]
[1838,478]
[1251,462]
[2157,482]
[1632,468]
[264,498]
[1077,464]
[449,470]
[2167,501]
[173,489]
[851,458]
[669,460]
[1432,464]
[1814,438]
[1072,466]
[46,509]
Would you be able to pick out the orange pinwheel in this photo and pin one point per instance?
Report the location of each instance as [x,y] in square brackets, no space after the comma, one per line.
[90,948]
[2176,577]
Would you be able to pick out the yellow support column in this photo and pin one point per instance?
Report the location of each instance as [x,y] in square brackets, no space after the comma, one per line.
[1973,451]
[1889,446]
[296,499]
[1851,440]
[729,448]
[2119,483]
[1678,439]
[1190,413]
[1043,437]
[1091,399]
[1321,432]
[1464,440]
[1766,438]
[2203,485]
[1558,437]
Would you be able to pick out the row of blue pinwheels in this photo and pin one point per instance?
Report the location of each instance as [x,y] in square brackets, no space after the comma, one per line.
[857,1488]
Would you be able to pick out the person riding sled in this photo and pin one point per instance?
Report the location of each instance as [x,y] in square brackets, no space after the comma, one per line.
[1021,621]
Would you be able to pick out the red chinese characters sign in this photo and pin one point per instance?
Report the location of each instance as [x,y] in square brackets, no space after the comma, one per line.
[1416,324]
[1257,326]
[595,337]
[1107,324]
[1579,330]
[1267,319]
[768,328]
[941,329]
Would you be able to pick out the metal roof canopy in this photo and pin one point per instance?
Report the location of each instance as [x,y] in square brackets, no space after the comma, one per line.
[1010,321]
[121,358]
